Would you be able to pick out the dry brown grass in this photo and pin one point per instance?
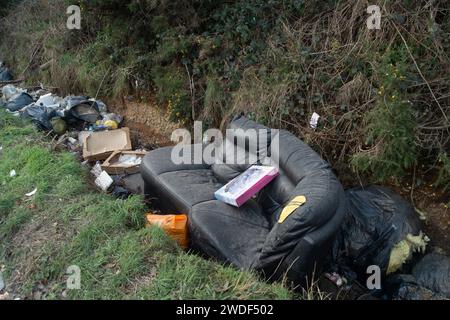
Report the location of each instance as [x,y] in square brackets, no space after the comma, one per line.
[322,80]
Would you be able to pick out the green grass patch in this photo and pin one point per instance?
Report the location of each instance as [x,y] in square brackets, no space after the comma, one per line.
[67,223]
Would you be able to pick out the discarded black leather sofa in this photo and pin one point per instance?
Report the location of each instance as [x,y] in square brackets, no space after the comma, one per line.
[251,237]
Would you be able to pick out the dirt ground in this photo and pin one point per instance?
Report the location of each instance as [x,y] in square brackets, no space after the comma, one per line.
[433,203]
[149,124]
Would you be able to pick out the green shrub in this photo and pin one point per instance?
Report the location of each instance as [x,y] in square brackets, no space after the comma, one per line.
[390,125]
[171,84]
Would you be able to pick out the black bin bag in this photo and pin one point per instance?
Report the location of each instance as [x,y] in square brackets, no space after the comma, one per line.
[19,101]
[380,228]
[81,108]
[430,280]
[40,115]
[433,273]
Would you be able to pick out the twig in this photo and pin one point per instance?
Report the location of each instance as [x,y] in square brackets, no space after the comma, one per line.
[35,51]
[422,215]
[4,83]
[101,83]
[192,89]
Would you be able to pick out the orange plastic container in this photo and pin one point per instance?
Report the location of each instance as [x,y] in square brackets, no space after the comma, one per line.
[174,225]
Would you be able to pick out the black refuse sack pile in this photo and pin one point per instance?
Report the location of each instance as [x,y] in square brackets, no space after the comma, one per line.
[51,112]
[382,229]
[74,119]
[429,280]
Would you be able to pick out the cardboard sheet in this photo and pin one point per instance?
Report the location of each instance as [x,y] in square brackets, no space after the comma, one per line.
[100,145]
[124,162]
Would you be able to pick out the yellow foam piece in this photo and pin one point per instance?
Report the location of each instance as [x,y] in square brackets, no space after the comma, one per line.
[296,203]
[403,251]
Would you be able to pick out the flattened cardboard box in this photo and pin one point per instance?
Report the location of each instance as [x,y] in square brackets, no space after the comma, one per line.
[100,145]
[112,166]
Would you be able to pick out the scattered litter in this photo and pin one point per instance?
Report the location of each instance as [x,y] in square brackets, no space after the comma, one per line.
[97,170]
[380,228]
[124,162]
[32,193]
[100,145]
[9,91]
[104,181]
[336,279]
[239,190]
[121,193]
[110,121]
[72,140]
[175,226]
[50,101]
[51,112]
[314,120]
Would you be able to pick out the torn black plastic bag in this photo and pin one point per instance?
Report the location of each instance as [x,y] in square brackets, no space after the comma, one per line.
[81,108]
[19,101]
[253,236]
[40,115]
[430,280]
[380,228]
[433,273]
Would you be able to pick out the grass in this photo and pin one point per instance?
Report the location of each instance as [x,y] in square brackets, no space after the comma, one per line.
[68,223]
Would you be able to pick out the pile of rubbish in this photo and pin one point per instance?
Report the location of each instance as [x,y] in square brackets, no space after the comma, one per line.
[87,129]
[379,228]
[51,112]
[382,229]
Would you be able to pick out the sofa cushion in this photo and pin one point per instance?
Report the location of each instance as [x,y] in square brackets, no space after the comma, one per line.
[187,188]
[233,235]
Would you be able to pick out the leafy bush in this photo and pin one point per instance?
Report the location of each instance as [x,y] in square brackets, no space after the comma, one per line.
[381,94]
[390,132]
